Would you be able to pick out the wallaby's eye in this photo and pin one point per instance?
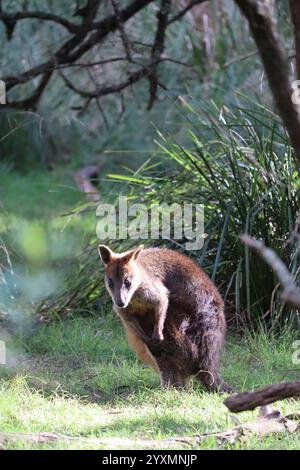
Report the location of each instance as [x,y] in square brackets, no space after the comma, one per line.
[110,283]
[127,283]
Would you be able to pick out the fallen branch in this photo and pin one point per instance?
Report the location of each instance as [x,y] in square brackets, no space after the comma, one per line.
[264,396]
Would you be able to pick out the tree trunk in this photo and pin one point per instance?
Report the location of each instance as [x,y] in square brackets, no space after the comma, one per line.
[269,44]
[295,14]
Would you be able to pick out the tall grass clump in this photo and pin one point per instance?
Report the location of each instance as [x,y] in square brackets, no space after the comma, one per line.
[240,166]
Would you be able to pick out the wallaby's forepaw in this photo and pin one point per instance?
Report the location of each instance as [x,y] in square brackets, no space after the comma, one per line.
[157,335]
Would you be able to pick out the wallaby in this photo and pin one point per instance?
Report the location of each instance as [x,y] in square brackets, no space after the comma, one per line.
[172,313]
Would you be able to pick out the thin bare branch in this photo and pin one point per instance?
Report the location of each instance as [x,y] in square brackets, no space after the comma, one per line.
[75,47]
[83,38]
[121,27]
[32,101]
[290,292]
[183,12]
[108,89]
[39,15]
[158,47]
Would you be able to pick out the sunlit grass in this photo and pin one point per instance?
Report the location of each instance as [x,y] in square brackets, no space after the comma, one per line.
[79,378]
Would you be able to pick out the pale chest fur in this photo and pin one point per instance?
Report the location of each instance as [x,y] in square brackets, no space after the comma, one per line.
[144,300]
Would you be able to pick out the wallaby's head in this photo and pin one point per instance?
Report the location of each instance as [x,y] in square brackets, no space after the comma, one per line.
[122,274]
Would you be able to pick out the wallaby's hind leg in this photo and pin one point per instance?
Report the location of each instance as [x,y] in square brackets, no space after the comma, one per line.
[211,347]
[170,375]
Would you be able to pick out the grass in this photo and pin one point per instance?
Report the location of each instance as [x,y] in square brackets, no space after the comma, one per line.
[79,378]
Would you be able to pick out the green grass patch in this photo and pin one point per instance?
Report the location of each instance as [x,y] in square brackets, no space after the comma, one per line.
[44,228]
[80,378]
[38,220]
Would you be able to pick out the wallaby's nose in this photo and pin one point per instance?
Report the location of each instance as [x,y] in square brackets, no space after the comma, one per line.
[120,304]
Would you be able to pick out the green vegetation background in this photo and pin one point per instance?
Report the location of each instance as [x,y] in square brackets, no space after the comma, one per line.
[69,368]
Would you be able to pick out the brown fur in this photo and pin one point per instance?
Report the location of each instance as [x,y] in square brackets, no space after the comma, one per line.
[140,348]
[174,318]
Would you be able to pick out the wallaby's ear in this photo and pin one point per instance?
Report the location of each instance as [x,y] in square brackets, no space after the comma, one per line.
[137,251]
[105,253]
[133,254]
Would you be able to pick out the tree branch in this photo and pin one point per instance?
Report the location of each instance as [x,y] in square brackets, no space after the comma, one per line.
[40,15]
[107,26]
[264,396]
[124,37]
[290,292]
[182,12]
[83,39]
[109,89]
[32,101]
[158,47]
[77,46]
